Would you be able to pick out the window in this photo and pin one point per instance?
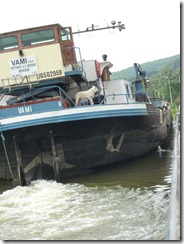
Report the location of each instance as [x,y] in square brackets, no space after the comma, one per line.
[38,37]
[8,42]
[65,34]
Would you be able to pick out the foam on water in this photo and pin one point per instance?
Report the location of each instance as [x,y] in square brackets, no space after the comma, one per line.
[47,210]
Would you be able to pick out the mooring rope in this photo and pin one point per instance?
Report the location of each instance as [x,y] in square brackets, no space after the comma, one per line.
[6,154]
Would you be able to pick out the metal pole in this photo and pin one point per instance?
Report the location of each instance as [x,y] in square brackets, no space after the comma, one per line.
[155,91]
[56,161]
[169,90]
[92,28]
[162,91]
[20,170]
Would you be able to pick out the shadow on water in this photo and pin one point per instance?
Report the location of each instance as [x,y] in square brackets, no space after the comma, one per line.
[146,171]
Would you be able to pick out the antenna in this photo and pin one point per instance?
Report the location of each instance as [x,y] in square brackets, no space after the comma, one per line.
[105,21]
[92,27]
[77,26]
[113,26]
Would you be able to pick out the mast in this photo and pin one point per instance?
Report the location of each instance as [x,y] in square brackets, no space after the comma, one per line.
[112,26]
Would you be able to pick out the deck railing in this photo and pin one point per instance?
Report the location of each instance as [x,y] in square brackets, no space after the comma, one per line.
[124,98]
[27,98]
[19,81]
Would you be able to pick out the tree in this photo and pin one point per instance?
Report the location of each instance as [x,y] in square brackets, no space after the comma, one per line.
[166,84]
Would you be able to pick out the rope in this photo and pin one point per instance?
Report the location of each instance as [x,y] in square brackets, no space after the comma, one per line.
[6,154]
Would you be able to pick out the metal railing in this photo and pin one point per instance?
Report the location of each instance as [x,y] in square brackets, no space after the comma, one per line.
[79,60]
[28,96]
[18,81]
[21,98]
[129,98]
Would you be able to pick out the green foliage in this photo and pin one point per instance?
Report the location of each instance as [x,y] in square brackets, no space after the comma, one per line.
[174,111]
[150,67]
[166,84]
[164,78]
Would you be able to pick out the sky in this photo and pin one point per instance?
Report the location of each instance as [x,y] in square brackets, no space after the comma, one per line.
[152,26]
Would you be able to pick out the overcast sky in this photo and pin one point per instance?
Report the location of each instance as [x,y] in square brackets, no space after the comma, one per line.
[152,27]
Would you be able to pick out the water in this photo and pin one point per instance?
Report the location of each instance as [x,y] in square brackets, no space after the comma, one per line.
[129,201]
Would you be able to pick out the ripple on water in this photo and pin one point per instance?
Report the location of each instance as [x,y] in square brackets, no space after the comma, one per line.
[47,210]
